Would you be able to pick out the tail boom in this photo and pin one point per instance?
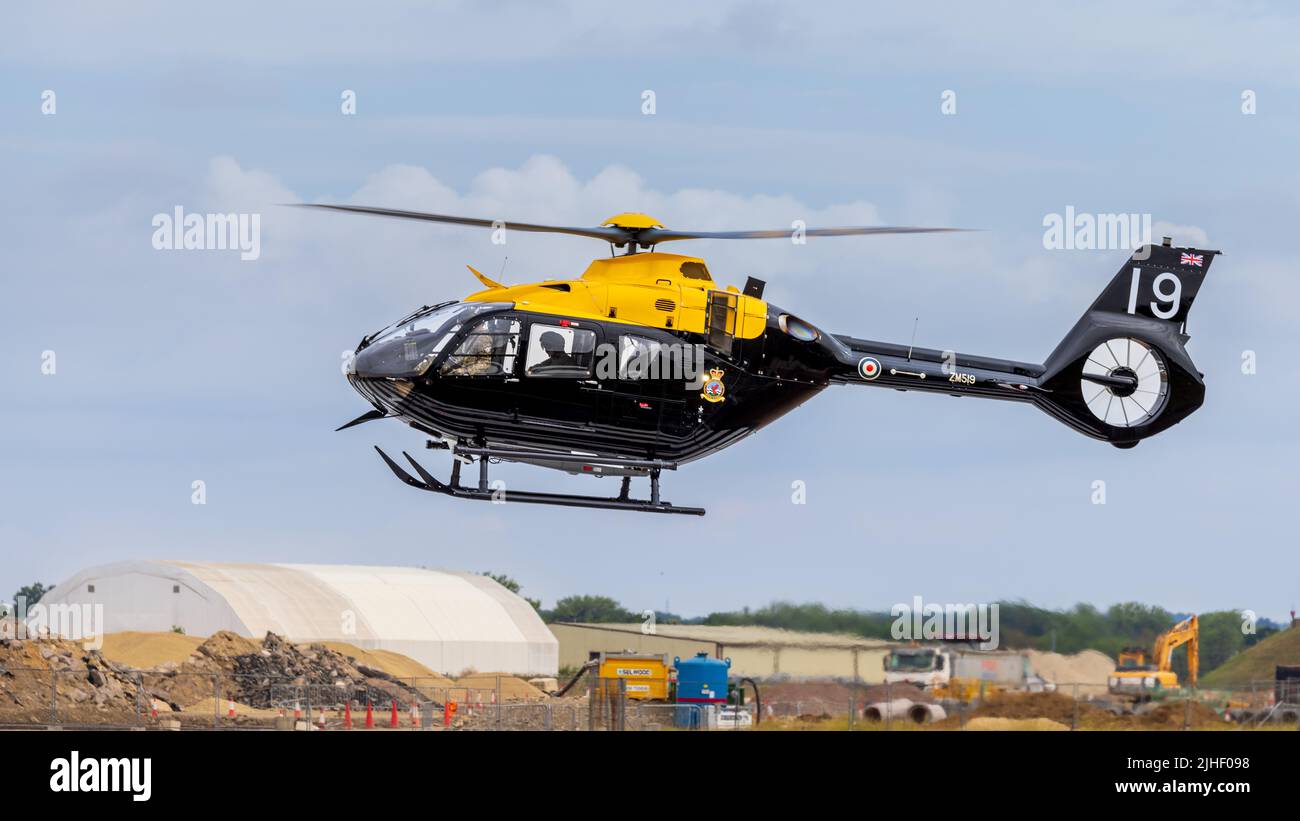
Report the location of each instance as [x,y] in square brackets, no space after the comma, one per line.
[1121,374]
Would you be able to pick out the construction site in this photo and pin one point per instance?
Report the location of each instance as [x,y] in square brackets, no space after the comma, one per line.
[312,648]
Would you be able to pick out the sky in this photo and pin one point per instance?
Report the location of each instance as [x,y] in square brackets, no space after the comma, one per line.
[177,366]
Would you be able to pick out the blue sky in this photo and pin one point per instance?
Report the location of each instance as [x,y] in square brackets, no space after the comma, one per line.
[177,366]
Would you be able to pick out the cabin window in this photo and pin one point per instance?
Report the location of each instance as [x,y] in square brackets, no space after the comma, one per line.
[640,358]
[560,351]
[487,350]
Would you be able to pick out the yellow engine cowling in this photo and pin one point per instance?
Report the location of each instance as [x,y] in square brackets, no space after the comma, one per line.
[667,291]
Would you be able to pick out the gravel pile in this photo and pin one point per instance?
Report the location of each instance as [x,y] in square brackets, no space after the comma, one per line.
[273,674]
[87,688]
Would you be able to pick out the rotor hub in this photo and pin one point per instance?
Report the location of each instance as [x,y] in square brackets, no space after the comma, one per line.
[632,220]
[1125,390]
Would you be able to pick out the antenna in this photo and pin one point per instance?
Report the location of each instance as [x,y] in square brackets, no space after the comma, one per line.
[915,321]
[501,275]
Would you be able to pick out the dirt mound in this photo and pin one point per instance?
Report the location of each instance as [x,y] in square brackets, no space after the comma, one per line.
[1055,706]
[1171,716]
[395,664]
[992,723]
[87,687]
[513,688]
[146,651]
[1090,669]
[1257,663]
[224,645]
[806,690]
[816,695]
[828,696]
[149,651]
[1060,708]
[272,674]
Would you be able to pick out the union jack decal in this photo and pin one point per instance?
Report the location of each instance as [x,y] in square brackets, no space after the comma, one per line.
[1196,260]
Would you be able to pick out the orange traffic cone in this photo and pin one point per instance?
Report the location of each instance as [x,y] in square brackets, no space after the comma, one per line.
[297,711]
[370,716]
[153,708]
[415,716]
[320,719]
[392,721]
[347,715]
[230,708]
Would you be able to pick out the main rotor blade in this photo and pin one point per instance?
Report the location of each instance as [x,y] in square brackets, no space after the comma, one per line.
[605,232]
[654,235]
[644,237]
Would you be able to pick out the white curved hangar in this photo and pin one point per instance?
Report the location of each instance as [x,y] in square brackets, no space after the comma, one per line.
[448,620]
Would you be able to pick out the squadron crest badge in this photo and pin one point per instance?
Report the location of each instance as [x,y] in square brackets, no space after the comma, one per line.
[714,390]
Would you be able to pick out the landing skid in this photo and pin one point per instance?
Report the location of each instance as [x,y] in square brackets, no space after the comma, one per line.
[484,492]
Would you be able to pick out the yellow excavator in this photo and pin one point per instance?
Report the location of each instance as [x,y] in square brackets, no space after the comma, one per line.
[1141,678]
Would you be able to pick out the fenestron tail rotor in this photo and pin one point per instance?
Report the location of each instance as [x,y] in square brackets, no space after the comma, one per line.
[1125,382]
[630,230]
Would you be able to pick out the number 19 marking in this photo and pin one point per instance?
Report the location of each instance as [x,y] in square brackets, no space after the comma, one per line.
[1172,297]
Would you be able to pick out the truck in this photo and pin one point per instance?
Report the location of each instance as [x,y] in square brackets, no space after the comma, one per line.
[960,672]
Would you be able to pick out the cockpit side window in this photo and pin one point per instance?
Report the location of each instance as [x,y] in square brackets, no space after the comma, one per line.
[488,349]
[560,351]
[641,358]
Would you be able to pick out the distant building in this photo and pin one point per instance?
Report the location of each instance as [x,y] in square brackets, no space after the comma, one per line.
[760,652]
[447,620]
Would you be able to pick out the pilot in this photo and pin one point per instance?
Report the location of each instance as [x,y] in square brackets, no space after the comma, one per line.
[474,357]
[556,357]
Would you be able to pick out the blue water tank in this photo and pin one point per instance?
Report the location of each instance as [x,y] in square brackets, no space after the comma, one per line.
[700,680]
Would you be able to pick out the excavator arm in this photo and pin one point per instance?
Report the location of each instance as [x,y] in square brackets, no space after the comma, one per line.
[1185,632]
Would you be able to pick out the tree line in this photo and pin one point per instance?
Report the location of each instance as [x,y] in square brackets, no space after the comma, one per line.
[1022,626]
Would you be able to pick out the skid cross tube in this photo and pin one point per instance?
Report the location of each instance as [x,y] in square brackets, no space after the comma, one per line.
[563,456]
[427,481]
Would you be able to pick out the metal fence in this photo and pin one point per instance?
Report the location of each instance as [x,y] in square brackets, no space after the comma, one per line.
[103,697]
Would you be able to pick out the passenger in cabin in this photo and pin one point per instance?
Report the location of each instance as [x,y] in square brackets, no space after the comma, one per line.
[556,357]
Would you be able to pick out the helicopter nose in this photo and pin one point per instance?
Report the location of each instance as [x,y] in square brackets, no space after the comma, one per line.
[387,393]
[392,359]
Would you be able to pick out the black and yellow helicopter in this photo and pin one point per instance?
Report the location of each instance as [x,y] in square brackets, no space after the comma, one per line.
[644,363]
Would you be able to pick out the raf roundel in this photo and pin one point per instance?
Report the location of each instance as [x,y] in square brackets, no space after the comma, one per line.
[868,368]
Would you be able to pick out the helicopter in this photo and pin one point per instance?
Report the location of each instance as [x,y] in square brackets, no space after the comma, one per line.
[644,363]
